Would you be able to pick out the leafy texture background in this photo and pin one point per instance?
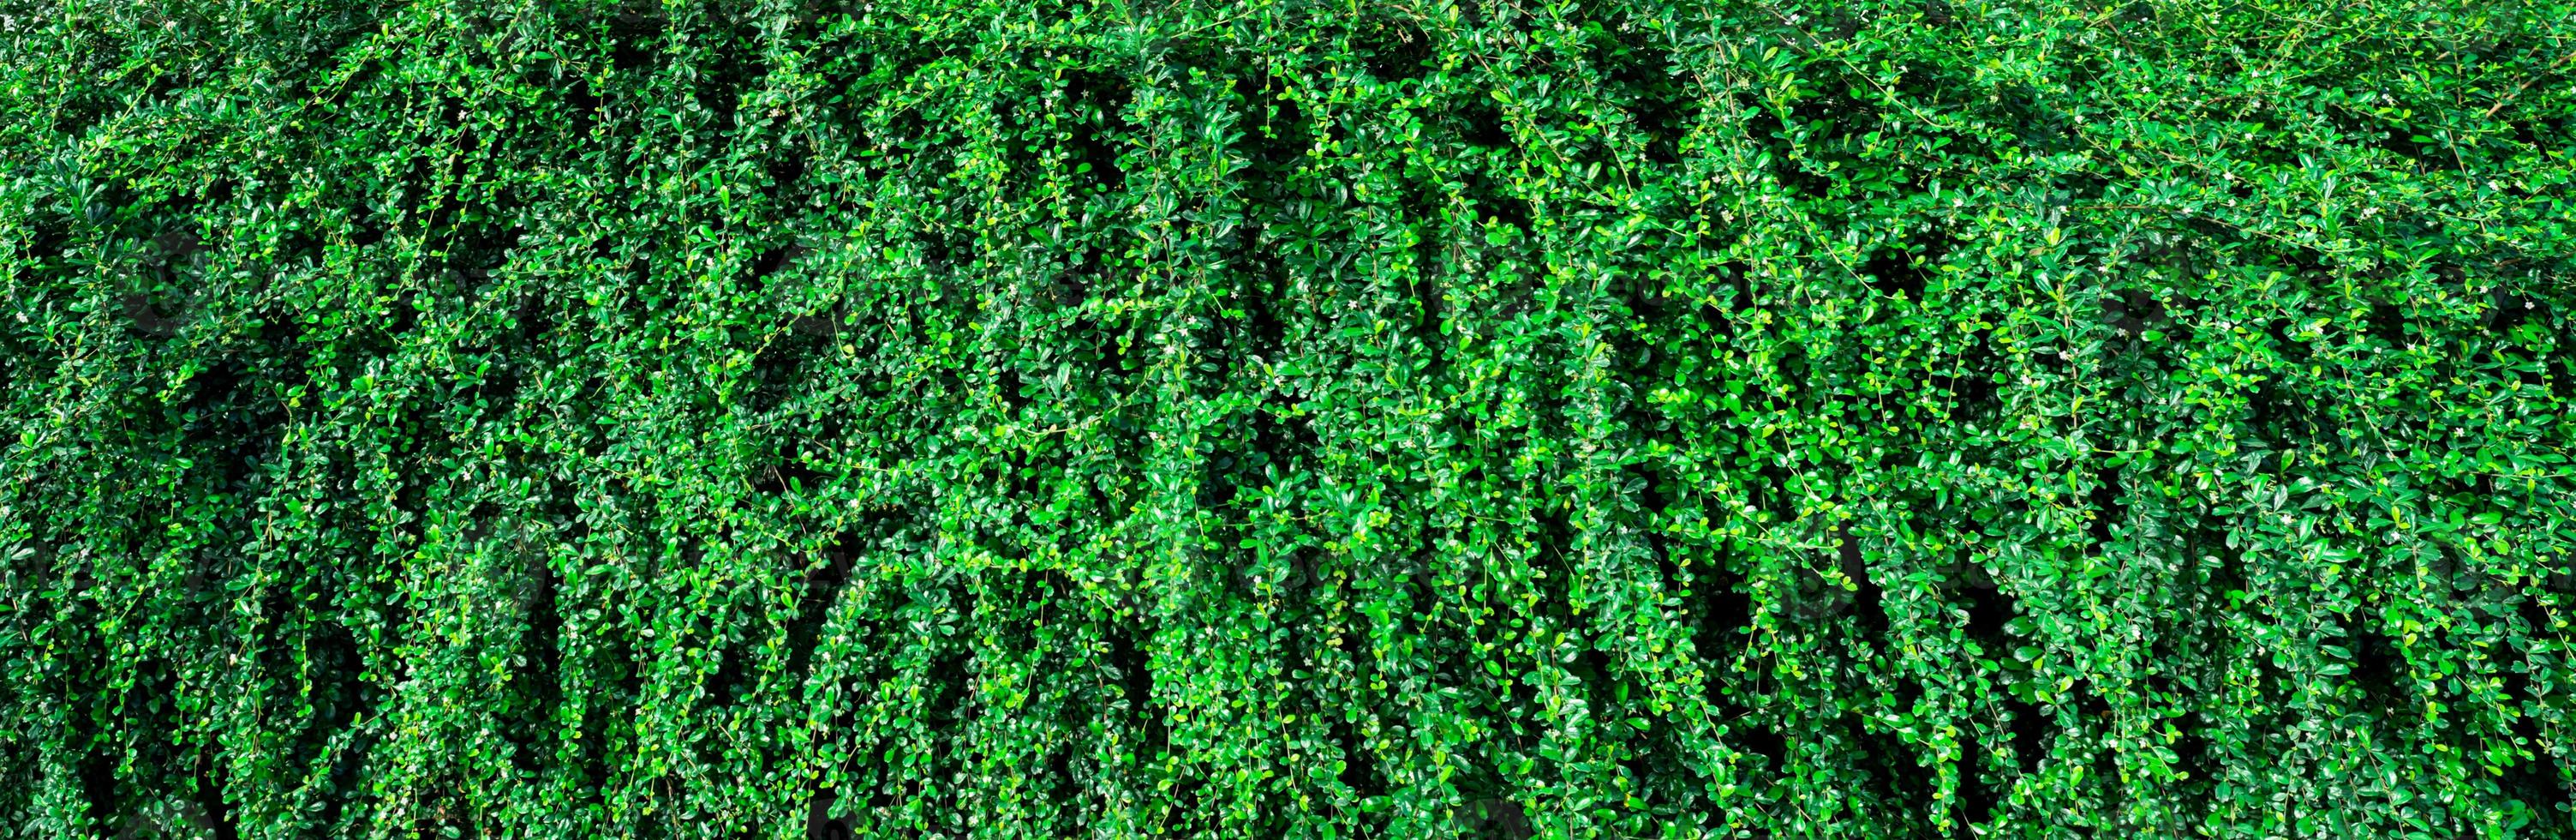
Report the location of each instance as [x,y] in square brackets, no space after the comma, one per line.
[1266,418]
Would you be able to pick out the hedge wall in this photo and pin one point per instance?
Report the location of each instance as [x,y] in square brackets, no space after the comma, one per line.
[1271,418]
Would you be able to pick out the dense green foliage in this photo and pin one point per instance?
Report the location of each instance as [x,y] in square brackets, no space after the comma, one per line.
[1255,418]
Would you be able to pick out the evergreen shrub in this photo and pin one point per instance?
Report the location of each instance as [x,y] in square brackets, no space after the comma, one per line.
[1274,418]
